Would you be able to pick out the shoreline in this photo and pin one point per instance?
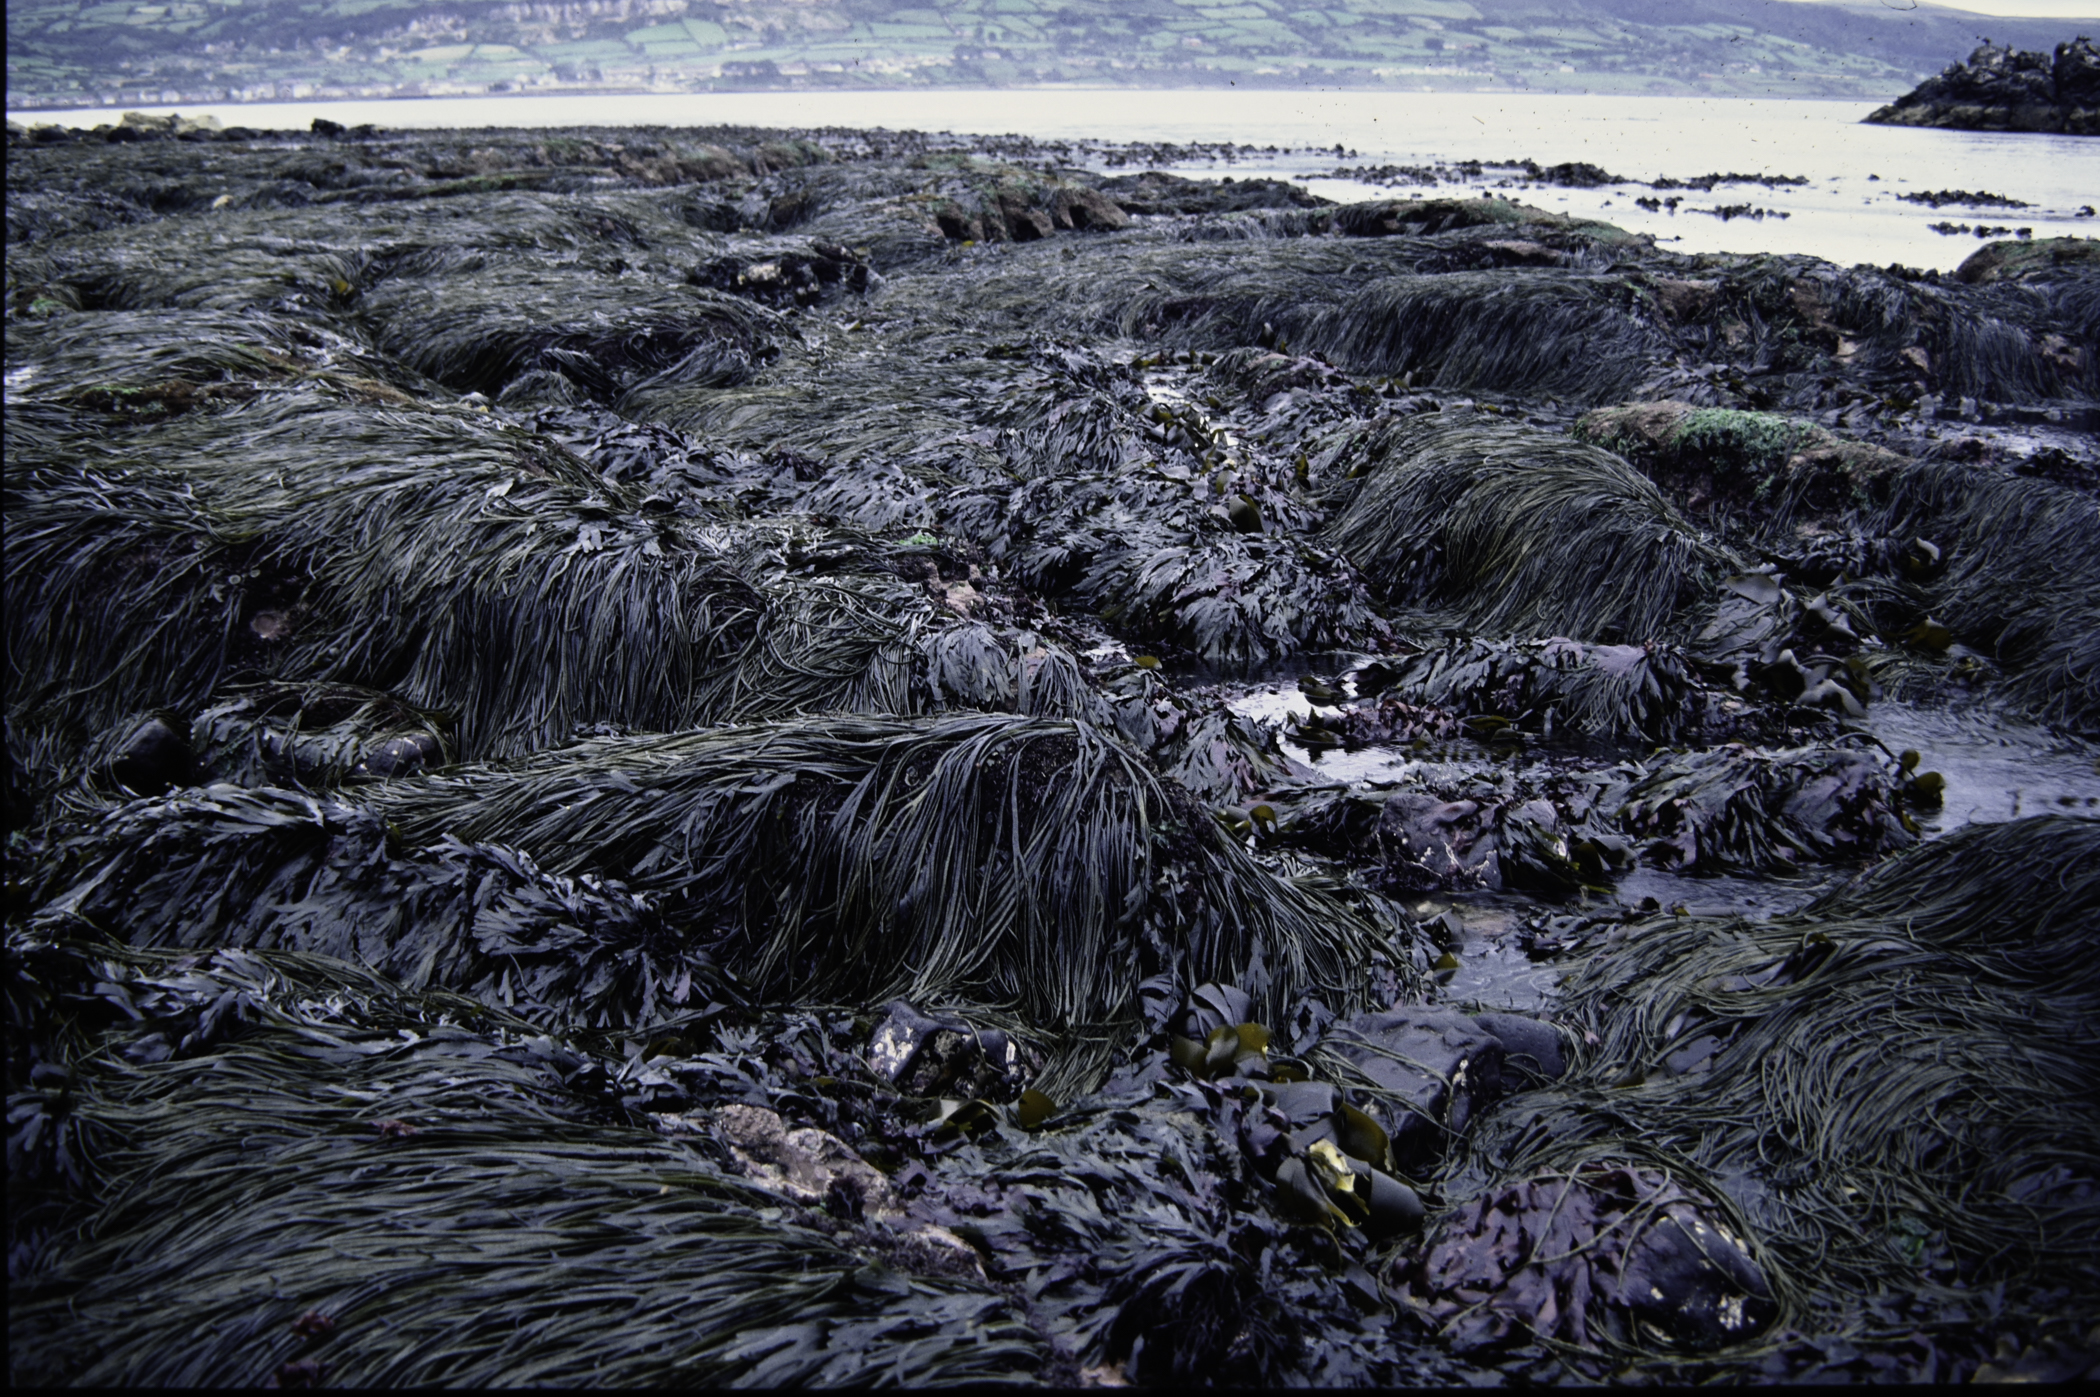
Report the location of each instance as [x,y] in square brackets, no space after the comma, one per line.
[1851,207]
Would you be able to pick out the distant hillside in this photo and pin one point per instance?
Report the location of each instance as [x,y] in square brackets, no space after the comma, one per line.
[64,53]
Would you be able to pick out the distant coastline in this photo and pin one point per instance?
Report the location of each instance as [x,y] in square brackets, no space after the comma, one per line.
[213,51]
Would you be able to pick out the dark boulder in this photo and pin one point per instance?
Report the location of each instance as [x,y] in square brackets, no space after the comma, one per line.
[1432,1069]
[152,757]
[1529,1046]
[409,755]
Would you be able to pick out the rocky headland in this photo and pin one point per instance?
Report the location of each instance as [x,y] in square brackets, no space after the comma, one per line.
[2002,89]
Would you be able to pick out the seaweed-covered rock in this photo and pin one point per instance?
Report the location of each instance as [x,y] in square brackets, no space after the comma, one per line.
[1610,692]
[1156,192]
[1603,1256]
[2003,89]
[315,735]
[1519,531]
[1431,1071]
[694,693]
[1429,843]
[1735,808]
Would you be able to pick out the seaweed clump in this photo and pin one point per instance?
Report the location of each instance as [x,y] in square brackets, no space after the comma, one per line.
[1949,1172]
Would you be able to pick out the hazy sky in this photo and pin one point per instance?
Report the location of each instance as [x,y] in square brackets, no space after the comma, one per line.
[2020,9]
[2025,9]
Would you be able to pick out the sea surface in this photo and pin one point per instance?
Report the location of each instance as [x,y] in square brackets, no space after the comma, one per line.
[1849,211]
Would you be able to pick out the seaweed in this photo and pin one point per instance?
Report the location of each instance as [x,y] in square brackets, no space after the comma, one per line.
[385,557]
[1521,533]
[1009,861]
[2013,572]
[1015,860]
[409,1180]
[631,753]
[1872,1088]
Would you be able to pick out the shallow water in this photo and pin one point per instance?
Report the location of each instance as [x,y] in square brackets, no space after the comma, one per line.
[1997,768]
[1845,213]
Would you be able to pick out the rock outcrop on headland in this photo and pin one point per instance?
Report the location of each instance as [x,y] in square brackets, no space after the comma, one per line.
[2002,89]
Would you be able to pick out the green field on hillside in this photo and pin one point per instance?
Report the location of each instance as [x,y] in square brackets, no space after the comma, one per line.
[66,54]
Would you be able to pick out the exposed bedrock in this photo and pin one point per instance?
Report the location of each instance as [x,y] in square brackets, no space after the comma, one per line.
[2004,89]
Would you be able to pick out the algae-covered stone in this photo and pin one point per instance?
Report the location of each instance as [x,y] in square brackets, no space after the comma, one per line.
[1430,1073]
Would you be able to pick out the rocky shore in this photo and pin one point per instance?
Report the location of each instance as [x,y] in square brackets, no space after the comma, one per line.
[2000,89]
[801,758]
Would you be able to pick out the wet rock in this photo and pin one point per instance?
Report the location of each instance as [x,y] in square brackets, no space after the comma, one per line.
[1618,1252]
[927,1056]
[1432,1070]
[1086,209]
[2004,89]
[804,1163]
[959,224]
[152,757]
[1385,218]
[1530,1047]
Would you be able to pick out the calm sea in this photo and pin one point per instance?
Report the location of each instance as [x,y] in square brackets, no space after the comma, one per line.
[1849,211]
